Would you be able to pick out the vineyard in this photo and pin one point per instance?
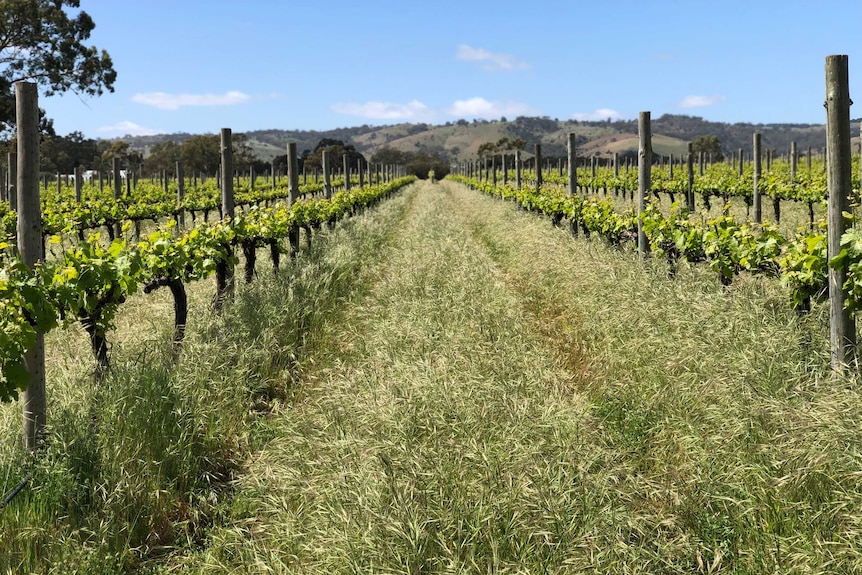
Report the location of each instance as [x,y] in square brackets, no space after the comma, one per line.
[601,369]
[794,253]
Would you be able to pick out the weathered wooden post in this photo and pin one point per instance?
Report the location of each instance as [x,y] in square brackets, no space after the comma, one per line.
[644,175]
[227,182]
[224,270]
[793,162]
[361,173]
[181,192]
[842,324]
[756,189]
[518,169]
[571,152]
[345,160]
[327,183]
[292,195]
[78,183]
[30,249]
[689,196]
[12,158]
[118,189]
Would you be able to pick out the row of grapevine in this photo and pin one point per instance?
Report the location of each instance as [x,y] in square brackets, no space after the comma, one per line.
[806,262]
[92,276]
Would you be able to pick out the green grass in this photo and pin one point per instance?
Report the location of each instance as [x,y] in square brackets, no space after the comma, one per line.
[451,385]
[507,399]
[144,463]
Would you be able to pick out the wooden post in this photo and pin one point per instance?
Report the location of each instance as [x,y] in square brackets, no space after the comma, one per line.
[345,160]
[327,185]
[809,158]
[572,157]
[361,173]
[518,169]
[30,249]
[292,174]
[689,197]
[227,205]
[78,183]
[181,192]
[118,189]
[505,171]
[494,171]
[224,269]
[700,164]
[12,158]
[756,189]
[538,151]
[793,160]
[292,195]
[842,324]
[644,174]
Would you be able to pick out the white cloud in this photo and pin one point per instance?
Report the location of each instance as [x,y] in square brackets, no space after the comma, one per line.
[383,110]
[598,115]
[482,108]
[164,101]
[489,60]
[128,128]
[700,101]
[419,112]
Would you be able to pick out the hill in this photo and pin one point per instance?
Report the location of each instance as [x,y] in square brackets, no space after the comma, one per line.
[460,140]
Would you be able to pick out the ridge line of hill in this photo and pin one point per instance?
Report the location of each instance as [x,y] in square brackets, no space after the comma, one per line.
[460,140]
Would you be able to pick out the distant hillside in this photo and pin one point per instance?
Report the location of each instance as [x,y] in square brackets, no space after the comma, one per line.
[460,140]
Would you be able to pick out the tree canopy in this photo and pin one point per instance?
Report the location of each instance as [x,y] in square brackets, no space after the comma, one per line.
[501,146]
[709,145]
[40,42]
[336,149]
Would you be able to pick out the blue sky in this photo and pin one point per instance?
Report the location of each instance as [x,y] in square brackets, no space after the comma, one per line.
[199,65]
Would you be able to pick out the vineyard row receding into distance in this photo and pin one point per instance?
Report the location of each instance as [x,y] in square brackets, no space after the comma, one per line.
[807,261]
[75,252]
[89,278]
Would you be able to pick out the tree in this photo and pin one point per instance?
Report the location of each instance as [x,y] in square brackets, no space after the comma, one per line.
[709,145]
[129,158]
[336,149]
[163,156]
[201,154]
[504,144]
[420,164]
[65,153]
[41,43]
[390,156]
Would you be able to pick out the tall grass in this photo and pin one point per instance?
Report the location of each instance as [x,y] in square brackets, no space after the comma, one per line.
[144,463]
[507,399]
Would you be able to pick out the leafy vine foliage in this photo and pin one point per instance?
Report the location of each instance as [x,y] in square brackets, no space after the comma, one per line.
[728,245]
[92,277]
